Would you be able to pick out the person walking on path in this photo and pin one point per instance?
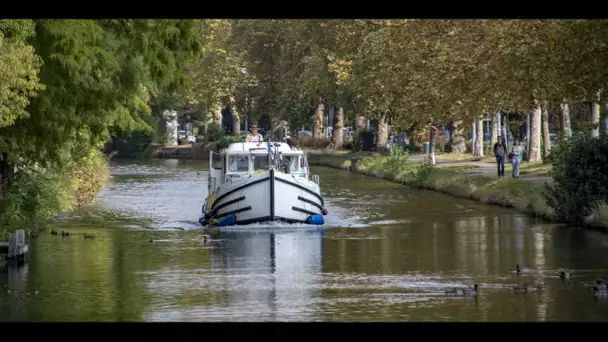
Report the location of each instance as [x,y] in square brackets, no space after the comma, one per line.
[516,155]
[500,150]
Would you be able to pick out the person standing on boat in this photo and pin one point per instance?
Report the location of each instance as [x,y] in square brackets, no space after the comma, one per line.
[254,136]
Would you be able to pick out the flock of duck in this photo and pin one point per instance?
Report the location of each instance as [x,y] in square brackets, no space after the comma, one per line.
[600,288]
[206,237]
[64,234]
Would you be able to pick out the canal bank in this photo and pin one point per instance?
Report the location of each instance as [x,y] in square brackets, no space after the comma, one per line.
[186,152]
[523,195]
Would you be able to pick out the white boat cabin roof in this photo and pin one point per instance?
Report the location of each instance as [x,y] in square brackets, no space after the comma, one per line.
[261,147]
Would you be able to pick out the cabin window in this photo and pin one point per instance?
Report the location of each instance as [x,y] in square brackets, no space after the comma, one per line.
[238,163]
[291,163]
[304,161]
[260,162]
[218,162]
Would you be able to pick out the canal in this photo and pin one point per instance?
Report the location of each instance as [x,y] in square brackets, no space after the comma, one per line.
[386,253]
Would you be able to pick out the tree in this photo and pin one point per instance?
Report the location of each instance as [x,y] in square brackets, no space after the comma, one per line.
[545,131]
[20,66]
[565,119]
[99,78]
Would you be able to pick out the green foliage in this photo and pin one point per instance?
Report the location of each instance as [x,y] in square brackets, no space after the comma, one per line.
[580,173]
[88,175]
[133,144]
[214,133]
[398,157]
[37,194]
[98,76]
[19,67]
[65,87]
[226,140]
[33,197]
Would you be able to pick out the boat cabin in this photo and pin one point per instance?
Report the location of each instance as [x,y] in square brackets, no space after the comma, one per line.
[242,159]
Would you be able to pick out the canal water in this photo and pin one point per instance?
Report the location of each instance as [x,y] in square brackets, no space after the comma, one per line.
[387,253]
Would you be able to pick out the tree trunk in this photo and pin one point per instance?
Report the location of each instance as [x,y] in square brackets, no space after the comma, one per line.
[479,139]
[6,172]
[382,133]
[319,118]
[270,127]
[546,137]
[236,118]
[606,121]
[535,156]
[360,123]
[473,138]
[505,133]
[236,124]
[340,129]
[528,136]
[217,116]
[499,128]
[565,116]
[494,131]
[432,144]
[457,140]
[330,118]
[595,115]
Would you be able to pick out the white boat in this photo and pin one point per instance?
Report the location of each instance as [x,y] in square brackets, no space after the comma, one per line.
[261,182]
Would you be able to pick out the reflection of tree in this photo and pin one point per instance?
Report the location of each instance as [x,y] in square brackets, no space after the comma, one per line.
[15,278]
[78,278]
[483,246]
[105,279]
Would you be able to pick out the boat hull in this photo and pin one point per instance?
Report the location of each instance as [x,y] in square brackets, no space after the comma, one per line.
[265,197]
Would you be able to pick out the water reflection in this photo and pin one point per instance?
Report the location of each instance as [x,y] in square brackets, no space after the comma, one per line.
[14,278]
[169,191]
[259,276]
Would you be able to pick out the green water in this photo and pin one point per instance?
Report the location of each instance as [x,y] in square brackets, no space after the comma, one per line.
[387,253]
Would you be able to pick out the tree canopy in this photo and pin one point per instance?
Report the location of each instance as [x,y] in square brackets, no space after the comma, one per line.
[67,81]
[411,70]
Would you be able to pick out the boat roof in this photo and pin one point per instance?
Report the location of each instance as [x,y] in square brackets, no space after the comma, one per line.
[240,147]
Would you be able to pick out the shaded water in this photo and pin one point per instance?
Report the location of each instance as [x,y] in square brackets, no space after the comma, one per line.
[387,253]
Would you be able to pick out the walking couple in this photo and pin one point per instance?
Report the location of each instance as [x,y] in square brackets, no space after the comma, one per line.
[515,155]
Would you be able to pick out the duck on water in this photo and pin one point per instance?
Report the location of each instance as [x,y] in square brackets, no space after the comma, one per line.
[261,182]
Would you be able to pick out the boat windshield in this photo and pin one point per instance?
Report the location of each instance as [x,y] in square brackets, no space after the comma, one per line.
[291,162]
[260,162]
[238,163]
[304,161]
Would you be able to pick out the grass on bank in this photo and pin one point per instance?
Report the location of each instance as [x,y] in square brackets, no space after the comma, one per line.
[537,169]
[460,157]
[520,194]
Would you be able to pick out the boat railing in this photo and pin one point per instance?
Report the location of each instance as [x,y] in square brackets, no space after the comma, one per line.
[315,178]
